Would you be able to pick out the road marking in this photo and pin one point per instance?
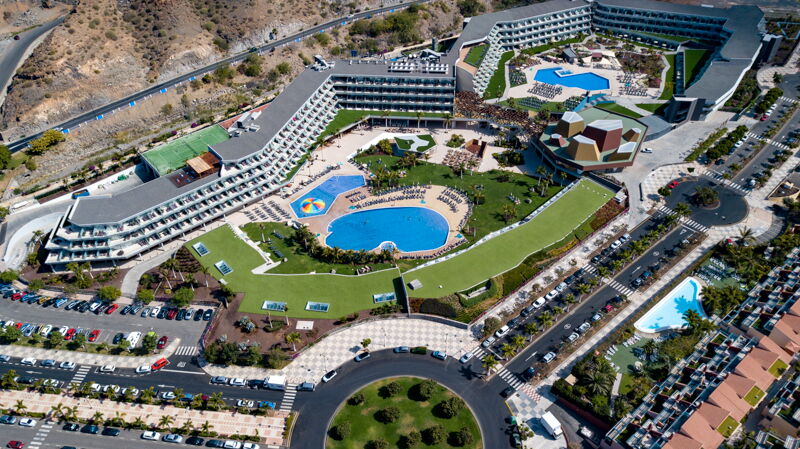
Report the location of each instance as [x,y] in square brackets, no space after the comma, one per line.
[187,350]
[182,372]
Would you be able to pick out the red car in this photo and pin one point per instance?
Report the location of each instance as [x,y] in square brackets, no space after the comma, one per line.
[18,325]
[673,184]
[160,363]
[764,117]
[70,334]
[171,314]
[162,342]
[13,444]
[16,296]
[94,334]
[111,309]
[607,308]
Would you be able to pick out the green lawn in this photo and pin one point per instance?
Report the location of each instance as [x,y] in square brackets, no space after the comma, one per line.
[667,37]
[669,81]
[414,416]
[476,54]
[541,48]
[693,61]
[405,144]
[655,108]
[728,426]
[618,109]
[497,83]
[778,368]
[507,250]
[295,290]
[297,261]
[754,396]
[345,117]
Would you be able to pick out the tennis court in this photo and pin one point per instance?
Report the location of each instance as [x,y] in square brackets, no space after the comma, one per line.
[173,155]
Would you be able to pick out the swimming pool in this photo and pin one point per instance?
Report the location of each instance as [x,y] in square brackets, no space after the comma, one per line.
[585,81]
[668,313]
[318,200]
[408,228]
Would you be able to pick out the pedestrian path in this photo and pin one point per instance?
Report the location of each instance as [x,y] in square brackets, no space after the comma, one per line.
[767,140]
[717,176]
[618,287]
[288,398]
[695,226]
[789,100]
[187,350]
[41,435]
[81,373]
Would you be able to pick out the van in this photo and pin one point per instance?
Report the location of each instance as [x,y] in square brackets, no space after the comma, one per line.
[133,338]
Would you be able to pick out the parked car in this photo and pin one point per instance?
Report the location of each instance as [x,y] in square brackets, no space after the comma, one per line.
[362,356]
[93,335]
[219,380]
[8,419]
[441,355]
[151,435]
[49,363]
[307,386]
[194,441]
[90,428]
[198,315]
[173,438]
[584,327]
[400,349]
[466,357]
[162,342]
[160,363]
[108,368]
[538,303]
[500,333]
[143,369]
[28,361]
[488,342]
[329,375]
[549,357]
[508,391]
[208,314]
[110,432]
[111,309]
[71,427]
[237,382]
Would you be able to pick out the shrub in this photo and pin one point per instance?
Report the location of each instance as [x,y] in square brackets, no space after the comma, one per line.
[490,325]
[461,438]
[424,390]
[450,407]
[340,431]
[433,435]
[380,443]
[433,306]
[391,389]
[411,440]
[388,415]
[108,293]
[356,399]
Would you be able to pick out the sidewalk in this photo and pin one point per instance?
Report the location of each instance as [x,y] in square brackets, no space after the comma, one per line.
[341,346]
[270,428]
[764,76]
[85,358]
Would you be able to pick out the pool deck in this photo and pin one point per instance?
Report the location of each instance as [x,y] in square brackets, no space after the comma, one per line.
[610,75]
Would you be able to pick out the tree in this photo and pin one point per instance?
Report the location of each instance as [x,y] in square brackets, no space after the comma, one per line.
[341,431]
[412,439]
[145,295]
[167,109]
[293,338]
[183,297]
[461,438]
[391,389]
[380,443]
[683,209]
[108,293]
[388,415]
[9,379]
[356,399]
[705,196]
[124,344]
[508,212]
[746,236]
[11,334]
[47,140]
[664,191]
[365,342]
[8,276]
[451,407]
[488,362]
[508,350]
[5,157]
[79,340]
[97,417]
[490,325]
[165,421]
[425,389]
[433,435]
[149,343]
[20,407]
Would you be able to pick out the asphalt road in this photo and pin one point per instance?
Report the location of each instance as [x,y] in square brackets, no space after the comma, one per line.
[14,54]
[93,114]
[56,438]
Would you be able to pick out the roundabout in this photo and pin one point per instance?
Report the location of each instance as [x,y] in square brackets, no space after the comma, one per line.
[317,415]
[731,207]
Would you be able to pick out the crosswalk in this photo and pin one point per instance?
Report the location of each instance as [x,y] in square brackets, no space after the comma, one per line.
[288,398]
[41,435]
[769,141]
[619,287]
[517,384]
[717,176]
[695,226]
[187,350]
[789,100]
[80,374]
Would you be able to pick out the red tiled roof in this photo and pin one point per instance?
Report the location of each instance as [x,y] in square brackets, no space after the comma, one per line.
[770,345]
[698,429]
[724,397]
[713,414]
[678,441]
[751,369]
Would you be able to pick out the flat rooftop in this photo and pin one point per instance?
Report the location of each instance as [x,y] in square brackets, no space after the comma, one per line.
[173,155]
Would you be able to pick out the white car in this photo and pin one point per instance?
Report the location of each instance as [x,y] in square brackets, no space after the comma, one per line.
[237,382]
[113,388]
[63,330]
[616,244]
[502,332]
[173,438]
[488,342]
[45,331]
[647,150]
[244,403]
[154,311]
[67,365]
[573,336]
[133,338]
[108,368]
[250,446]
[561,287]
[466,357]
[27,422]
[143,369]
[549,357]
[133,391]
[538,303]
[151,435]
[96,388]
[584,327]
[625,237]
[230,444]
[553,293]
[29,361]
[168,395]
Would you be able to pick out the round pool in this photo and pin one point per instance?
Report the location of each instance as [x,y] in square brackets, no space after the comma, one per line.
[410,229]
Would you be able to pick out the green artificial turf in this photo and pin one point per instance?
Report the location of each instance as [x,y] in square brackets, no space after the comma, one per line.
[476,54]
[173,155]
[655,108]
[778,368]
[414,416]
[728,426]
[497,83]
[693,61]
[345,294]
[618,109]
[507,250]
[669,80]
[754,396]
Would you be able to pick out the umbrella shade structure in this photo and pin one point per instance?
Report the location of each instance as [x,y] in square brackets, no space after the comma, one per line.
[312,205]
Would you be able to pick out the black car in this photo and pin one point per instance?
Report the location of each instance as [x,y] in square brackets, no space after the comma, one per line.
[110,432]
[162,313]
[118,337]
[507,392]
[195,441]
[90,428]
[255,383]
[528,374]
[198,315]
[26,380]
[207,316]
[215,443]
[71,427]
[596,259]
[125,310]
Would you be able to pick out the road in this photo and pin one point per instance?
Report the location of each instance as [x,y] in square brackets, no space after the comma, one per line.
[98,112]
[14,54]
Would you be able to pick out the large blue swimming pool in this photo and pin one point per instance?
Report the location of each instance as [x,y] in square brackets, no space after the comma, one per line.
[408,228]
[318,200]
[585,81]
[668,313]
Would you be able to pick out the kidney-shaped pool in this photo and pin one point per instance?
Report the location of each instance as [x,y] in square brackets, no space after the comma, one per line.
[410,229]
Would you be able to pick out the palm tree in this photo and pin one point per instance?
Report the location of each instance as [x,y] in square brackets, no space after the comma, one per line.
[746,236]
[488,362]
[293,338]
[139,423]
[20,407]
[692,318]
[57,411]
[71,413]
[97,417]
[530,328]
[147,395]
[583,288]
[602,270]
[448,119]
[205,272]
[9,379]
[165,421]
[215,400]
[557,310]
[419,117]
[683,209]
[178,392]
[187,426]
[546,319]
[118,419]
[569,298]
[598,382]
[508,211]
[616,264]
[518,341]
[649,348]
[206,427]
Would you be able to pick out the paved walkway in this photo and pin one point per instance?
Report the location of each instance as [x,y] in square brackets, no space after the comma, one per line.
[339,347]
[270,428]
[764,76]
[85,358]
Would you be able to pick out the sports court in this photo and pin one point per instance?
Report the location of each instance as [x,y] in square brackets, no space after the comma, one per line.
[173,155]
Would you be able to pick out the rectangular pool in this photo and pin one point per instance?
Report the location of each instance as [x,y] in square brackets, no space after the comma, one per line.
[668,313]
[558,76]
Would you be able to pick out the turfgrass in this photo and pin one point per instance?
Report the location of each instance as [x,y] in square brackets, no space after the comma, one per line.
[728,426]
[296,261]
[618,109]
[345,117]
[693,62]
[345,294]
[405,144]
[173,155]
[778,368]
[655,108]
[497,83]
[507,250]
[669,80]
[754,396]
[414,416]
[476,54]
